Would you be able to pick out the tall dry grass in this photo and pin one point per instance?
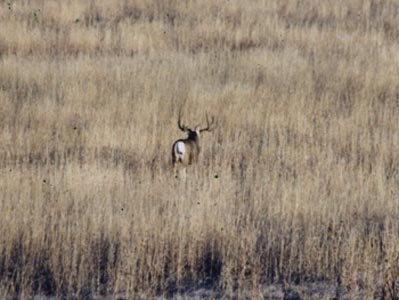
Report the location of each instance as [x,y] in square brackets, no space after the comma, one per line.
[299,183]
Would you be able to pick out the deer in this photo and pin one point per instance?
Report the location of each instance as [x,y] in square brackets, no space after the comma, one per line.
[186,151]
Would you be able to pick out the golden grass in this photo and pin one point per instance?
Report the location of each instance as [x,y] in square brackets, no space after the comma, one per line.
[298,184]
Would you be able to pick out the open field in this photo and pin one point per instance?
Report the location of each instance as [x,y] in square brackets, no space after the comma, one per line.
[298,185]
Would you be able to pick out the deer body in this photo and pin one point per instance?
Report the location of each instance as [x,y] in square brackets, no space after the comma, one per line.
[186,151]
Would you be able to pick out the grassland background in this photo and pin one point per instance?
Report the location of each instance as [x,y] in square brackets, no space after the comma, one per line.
[298,184]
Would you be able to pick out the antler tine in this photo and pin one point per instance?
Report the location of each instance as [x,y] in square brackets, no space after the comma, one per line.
[208,124]
[181,126]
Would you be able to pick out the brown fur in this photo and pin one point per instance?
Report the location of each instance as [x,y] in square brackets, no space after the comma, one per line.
[191,143]
[192,149]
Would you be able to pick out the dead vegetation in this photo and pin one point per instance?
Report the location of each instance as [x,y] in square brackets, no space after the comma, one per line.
[298,184]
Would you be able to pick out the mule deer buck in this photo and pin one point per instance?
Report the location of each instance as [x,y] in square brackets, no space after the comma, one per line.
[186,151]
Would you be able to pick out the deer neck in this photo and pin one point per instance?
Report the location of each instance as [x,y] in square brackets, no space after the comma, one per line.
[193,136]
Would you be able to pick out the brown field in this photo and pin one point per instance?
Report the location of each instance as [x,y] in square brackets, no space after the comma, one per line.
[298,184]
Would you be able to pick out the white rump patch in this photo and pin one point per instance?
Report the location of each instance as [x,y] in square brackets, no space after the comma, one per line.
[180,148]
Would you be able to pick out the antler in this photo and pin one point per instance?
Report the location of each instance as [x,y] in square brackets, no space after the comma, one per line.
[182,127]
[208,124]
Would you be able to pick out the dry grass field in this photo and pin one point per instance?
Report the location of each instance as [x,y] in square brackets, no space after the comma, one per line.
[297,186]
